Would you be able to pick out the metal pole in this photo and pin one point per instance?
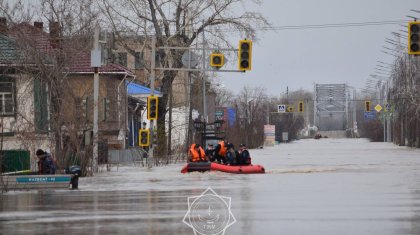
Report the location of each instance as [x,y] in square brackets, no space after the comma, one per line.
[315,105]
[204,135]
[95,105]
[354,112]
[268,114]
[152,92]
[346,106]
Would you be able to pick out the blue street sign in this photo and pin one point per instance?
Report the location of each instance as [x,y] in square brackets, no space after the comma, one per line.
[370,116]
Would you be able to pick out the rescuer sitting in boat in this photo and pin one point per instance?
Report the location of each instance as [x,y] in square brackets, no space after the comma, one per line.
[231,155]
[196,154]
[244,158]
[220,152]
[210,152]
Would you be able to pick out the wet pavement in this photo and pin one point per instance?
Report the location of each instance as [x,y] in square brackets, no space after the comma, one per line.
[327,186]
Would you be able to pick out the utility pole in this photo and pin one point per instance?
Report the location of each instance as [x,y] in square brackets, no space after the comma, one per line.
[95,63]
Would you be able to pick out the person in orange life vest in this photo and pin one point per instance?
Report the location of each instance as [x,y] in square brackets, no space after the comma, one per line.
[220,152]
[197,154]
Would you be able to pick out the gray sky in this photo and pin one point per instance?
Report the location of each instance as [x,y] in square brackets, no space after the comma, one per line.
[300,58]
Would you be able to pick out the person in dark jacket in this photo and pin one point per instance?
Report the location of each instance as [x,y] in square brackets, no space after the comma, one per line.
[46,164]
[244,157]
[231,155]
[210,152]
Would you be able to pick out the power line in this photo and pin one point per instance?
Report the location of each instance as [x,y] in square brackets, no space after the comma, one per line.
[338,25]
[319,26]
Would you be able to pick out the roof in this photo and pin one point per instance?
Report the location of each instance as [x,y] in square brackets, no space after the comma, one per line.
[136,89]
[77,59]
[79,62]
[9,52]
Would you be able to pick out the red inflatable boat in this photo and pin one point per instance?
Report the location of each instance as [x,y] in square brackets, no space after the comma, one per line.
[211,166]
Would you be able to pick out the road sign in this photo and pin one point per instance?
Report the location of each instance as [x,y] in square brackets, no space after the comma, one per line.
[190,59]
[281,108]
[387,107]
[370,116]
[378,108]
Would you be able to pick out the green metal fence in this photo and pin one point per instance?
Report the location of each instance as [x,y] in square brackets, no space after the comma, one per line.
[15,160]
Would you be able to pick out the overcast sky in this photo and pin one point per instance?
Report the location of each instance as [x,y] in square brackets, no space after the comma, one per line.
[300,58]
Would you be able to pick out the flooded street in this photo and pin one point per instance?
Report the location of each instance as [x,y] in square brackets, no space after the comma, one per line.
[327,186]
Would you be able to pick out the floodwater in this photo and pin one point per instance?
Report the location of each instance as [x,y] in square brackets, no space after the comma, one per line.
[327,186]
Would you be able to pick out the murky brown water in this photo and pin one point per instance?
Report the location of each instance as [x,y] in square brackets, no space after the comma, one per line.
[312,187]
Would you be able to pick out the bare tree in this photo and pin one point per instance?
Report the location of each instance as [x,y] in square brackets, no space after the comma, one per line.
[43,70]
[178,23]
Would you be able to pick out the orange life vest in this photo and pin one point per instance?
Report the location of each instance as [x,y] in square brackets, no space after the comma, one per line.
[195,155]
[222,151]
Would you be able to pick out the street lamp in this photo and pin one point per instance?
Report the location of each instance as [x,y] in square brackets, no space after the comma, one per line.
[198,124]
[218,124]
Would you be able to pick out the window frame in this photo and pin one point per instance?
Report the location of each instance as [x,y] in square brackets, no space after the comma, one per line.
[3,100]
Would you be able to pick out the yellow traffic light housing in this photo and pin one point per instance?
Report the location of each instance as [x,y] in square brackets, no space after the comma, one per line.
[144,137]
[152,107]
[290,109]
[245,55]
[217,60]
[300,107]
[367,106]
[414,38]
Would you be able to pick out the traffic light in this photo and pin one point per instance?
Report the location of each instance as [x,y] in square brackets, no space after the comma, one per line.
[367,106]
[414,38]
[152,107]
[300,107]
[144,137]
[217,59]
[290,109]
[245,55]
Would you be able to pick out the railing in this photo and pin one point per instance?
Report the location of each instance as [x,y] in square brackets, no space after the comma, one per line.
[127,156]
[138,156]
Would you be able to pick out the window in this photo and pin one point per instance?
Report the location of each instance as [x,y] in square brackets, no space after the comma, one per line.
[122,58]
[41,106]
[7,101]
[138,60]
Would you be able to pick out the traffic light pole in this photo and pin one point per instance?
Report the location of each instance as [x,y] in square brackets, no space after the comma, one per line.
[152,92]
[189,69]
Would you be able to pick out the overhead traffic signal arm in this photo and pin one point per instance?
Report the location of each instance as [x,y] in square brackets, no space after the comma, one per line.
[414,38]
[245,55]
[152,107]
